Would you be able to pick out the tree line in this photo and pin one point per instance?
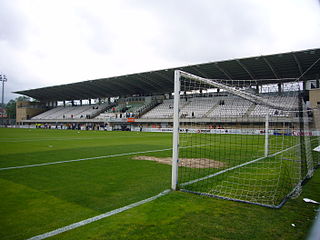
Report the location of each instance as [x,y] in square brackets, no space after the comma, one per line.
[10,106]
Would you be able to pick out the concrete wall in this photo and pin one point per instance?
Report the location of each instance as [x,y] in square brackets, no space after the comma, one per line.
[314,97]
[27,110]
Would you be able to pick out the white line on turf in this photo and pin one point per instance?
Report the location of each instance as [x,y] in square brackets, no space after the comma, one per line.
[96,218]
[16,140]
[93,158]
[42,139]
[83,159]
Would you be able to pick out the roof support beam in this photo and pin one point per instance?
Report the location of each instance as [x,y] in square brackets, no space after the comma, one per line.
[48,96]
[137,88]
[271,68]
[200,72]
[93,92]
[146,81]
[110,88]
[245,68]
[81,93]
[298,63]
[124,86]
[170,80]
[223,71]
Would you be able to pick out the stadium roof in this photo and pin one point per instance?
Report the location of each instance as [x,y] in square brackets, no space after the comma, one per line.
[276,66]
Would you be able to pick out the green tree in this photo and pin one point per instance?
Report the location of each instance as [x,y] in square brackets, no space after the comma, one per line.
[11,106]
[11,109]
[23,98]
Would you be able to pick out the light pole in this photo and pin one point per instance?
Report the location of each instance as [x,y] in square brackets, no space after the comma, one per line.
[3,79]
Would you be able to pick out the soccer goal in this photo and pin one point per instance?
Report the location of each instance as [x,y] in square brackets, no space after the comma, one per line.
[241,140]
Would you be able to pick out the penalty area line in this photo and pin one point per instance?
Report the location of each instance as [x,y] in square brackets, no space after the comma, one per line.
[96,218]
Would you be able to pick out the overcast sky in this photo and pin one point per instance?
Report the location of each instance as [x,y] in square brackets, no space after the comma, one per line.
[50,42]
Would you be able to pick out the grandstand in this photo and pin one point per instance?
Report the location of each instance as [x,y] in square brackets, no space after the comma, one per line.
[145,99]
[194,107]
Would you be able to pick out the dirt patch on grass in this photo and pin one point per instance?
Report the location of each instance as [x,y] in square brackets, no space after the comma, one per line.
[185,162]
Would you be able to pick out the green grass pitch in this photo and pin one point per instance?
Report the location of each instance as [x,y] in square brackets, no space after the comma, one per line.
[41,199]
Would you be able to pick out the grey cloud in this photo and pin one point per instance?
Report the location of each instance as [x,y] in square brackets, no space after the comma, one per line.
[12,24]
[207,30]
[100,39]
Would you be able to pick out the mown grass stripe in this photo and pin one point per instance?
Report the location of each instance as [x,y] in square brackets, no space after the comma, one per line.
[96,218]
[43,139]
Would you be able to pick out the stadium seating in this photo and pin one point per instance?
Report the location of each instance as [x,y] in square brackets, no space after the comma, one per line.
[132,109]
[220,106]
[163,110]
[260,111]
[72,112]
[196,107]
[201,107]
[231,107]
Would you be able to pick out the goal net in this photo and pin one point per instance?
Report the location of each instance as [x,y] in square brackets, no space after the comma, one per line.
[243,140]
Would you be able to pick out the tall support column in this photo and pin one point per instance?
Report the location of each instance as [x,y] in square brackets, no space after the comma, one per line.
[304,85]
[266,143]
[257,89]
[279,87]
[3,80]
[175,151]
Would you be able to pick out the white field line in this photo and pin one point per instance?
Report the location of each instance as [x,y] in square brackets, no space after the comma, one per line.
[83,159]
[15,140]
[93,158]
[235,167]
[96,218]
[43,139]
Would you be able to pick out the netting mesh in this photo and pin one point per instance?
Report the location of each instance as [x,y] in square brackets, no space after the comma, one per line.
[245,141]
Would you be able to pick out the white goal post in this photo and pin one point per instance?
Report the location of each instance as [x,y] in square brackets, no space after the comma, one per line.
[175,149]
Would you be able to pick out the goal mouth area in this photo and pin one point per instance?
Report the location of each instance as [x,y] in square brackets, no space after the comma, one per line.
[210,185]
